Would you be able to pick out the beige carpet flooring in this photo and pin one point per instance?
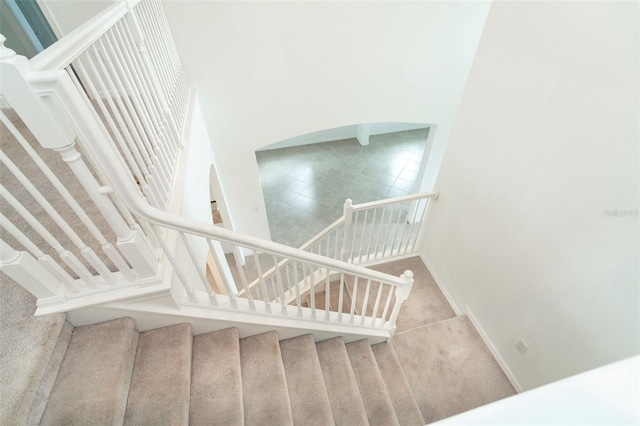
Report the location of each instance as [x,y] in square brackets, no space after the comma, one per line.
[447,365]
[449,368]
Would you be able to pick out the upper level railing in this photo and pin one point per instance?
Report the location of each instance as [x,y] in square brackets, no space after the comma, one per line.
[113,92]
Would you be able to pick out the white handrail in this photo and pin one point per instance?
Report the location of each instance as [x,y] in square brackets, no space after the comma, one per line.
[326,231]
[64,51]
[372,204]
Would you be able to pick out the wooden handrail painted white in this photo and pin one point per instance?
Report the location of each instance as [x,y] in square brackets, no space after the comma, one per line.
[411,197]
[64,51]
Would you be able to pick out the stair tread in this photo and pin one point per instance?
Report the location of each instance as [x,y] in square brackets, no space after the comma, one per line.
[216,393]
[404,403]
[160,384]
[373,390]
[264,385]
[31,349]
[342,389]
[307,392]
[48,379]
[93,381]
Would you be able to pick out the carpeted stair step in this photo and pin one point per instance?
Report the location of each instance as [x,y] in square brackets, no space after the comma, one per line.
[31,349]
[264,385]
[449,368]
[216,381]
[373,390]
[93,382]
[50,373]
[161,381]
[307,392]
[404,403]
[342,388]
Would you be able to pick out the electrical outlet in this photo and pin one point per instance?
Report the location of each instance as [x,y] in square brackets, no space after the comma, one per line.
[521,346]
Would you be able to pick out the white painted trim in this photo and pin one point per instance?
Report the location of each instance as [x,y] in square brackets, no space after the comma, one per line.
[442,288]
[205,318]
[387,259]
[103,296]
[496,354]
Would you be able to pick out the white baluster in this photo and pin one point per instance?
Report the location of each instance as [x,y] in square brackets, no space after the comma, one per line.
[377,246]
[363,312]
[373,224]
[352,311]
[386,235]
[327,295]
[263,284]
[364,227]
[199,268]
[376,305]
[278,277]
[296,283]
[341,296]
[312,290]
[383,318]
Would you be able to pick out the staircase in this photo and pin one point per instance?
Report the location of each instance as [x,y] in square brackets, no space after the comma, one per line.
[111,374]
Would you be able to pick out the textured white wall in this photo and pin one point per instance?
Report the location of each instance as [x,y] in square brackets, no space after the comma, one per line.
[269,71]
[545,144]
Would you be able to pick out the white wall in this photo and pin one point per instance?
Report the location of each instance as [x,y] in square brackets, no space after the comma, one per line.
[269,71]
[195,193]
[545,142]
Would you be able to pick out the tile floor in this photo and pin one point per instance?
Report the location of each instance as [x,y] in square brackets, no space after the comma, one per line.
[305,187]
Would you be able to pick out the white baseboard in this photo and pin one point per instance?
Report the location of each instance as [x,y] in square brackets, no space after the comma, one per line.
[501,362]
[441,287]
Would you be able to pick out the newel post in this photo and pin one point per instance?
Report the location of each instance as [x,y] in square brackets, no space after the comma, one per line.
[348,219]
[401,293]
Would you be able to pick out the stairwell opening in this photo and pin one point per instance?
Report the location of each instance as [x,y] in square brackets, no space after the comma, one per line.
[305,180]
